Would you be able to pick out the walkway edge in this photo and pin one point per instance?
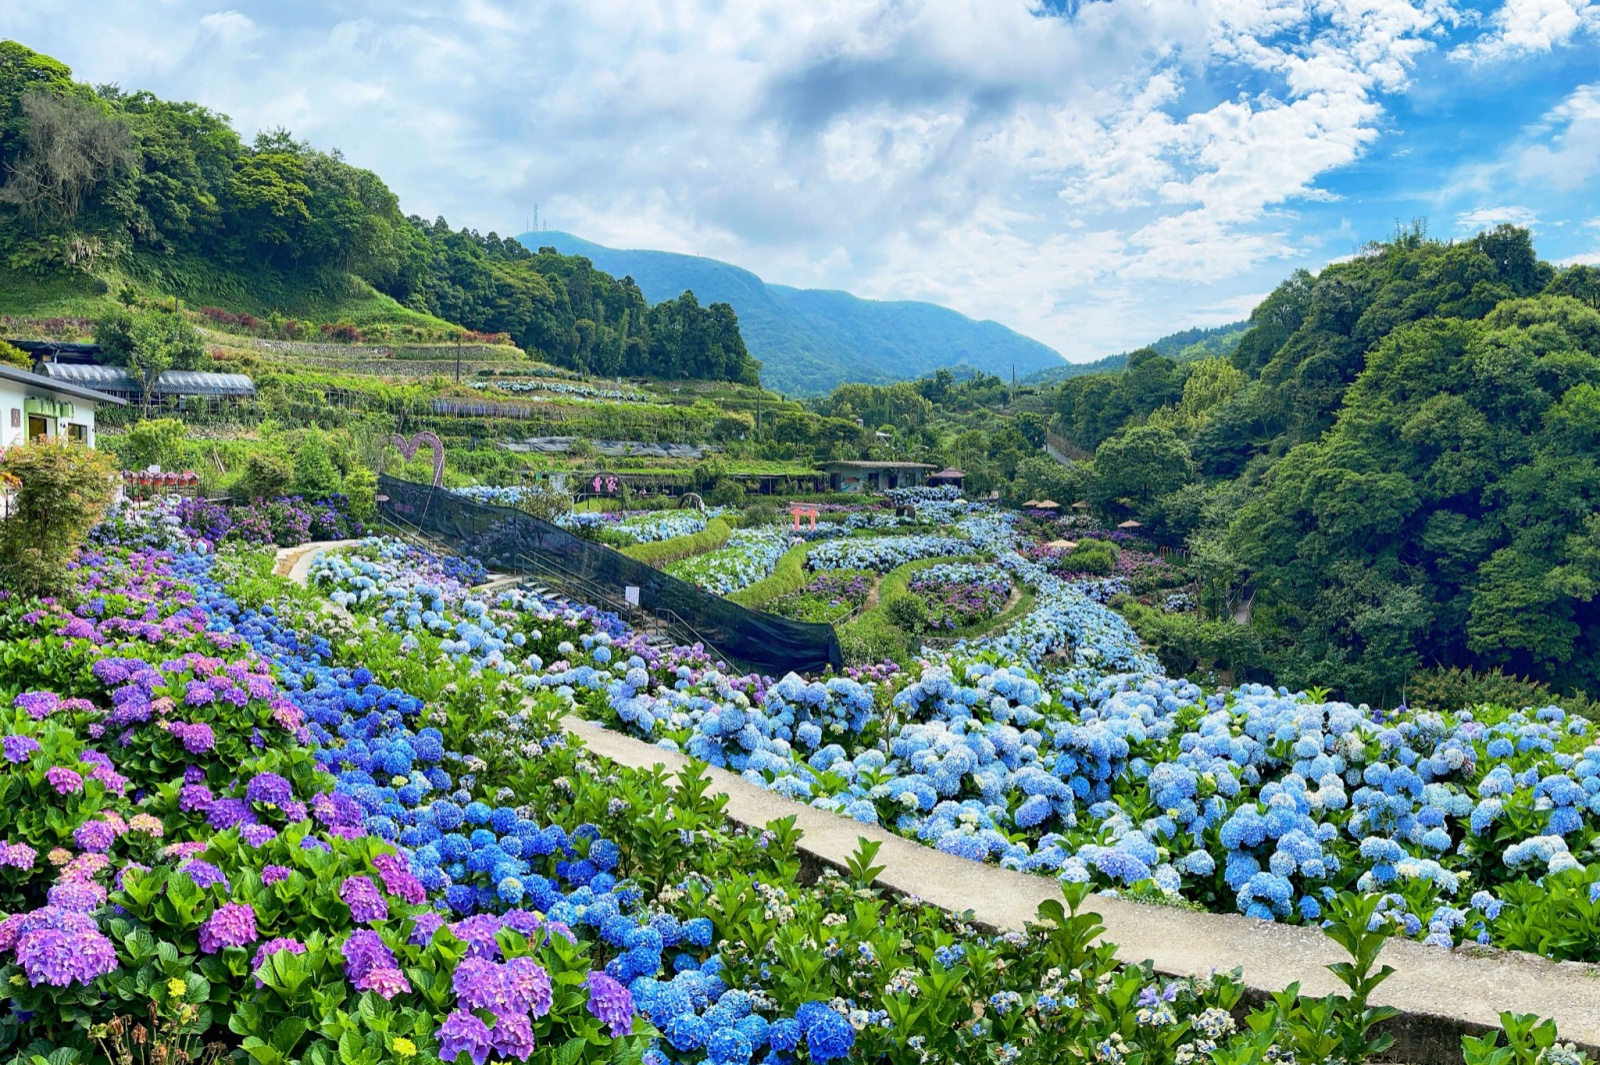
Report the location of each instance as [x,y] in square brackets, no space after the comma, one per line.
[1441,995]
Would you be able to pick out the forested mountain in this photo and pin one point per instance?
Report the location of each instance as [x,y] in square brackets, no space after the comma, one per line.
[1182,346]
[809,340]
[99,183]
[1400,458]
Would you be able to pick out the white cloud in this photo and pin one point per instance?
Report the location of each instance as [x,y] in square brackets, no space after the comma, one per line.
[1531,27]
[1072,177]
[228,25]
[1488,217]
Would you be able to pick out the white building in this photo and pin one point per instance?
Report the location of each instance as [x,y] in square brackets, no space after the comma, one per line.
[32,406]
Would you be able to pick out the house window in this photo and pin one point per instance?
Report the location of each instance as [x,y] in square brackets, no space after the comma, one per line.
[38,427]
[77,432]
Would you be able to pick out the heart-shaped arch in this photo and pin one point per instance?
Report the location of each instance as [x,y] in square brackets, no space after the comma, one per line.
[408,448]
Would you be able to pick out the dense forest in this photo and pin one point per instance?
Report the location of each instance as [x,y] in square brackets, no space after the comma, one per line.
[98,180]
[1397,465]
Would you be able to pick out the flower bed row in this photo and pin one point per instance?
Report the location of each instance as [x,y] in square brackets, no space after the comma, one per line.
[233,820]
[750,556]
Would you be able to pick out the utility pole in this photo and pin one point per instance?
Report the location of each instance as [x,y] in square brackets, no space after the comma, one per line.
[458,358]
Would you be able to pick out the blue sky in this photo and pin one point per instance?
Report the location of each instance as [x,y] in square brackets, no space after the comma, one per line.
[1094,174]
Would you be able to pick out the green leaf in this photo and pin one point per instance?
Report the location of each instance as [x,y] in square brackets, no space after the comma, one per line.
[287,1034]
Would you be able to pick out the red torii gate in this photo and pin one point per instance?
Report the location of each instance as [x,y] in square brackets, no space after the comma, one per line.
[803,510]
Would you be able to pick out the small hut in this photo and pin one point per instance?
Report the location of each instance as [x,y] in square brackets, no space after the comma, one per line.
[948,475]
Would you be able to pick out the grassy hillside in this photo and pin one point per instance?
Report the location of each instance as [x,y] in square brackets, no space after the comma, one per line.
[809,340]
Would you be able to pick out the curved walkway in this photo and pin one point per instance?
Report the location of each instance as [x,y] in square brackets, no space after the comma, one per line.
[1441,994]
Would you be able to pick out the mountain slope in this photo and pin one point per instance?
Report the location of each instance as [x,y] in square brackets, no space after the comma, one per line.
[1190,344]
[809,340]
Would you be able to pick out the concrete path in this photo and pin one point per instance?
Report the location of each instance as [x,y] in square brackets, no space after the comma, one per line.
[295,562]
[1441,994]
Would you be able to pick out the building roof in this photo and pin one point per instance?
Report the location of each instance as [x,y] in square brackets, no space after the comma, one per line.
[60,388]
[949,472]
[170,383]
[866,464]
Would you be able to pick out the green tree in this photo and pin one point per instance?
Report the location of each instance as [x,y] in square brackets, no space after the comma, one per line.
[154,442]
[314,474]
[63,489]
[148,343]
[1139,465]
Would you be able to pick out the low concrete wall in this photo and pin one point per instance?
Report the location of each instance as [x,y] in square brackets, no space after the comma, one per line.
[1441,995]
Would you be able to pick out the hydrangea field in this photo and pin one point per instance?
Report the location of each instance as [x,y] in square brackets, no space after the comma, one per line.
[750,555]
[239,823]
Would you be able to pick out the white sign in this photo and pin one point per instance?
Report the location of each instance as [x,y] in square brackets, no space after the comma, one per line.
[631,594]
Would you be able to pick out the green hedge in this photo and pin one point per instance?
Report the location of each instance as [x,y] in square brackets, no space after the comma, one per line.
[790,575]
[663,552]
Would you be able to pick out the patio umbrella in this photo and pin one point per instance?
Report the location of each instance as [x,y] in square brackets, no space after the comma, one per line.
[1031,503]
[1049,504]
[1061,545]
[1081,505]
[1131,524]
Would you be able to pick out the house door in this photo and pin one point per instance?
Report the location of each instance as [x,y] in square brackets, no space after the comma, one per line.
[38,426]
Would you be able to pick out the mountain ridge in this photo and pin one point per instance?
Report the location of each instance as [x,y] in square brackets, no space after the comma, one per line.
[809,340]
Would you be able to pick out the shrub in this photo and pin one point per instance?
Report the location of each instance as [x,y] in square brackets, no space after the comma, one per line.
[267,475]
[12,355]
[907,611]
[1458,689]
[314,475]
[361,488]
[544,500]
[341,332]
[1092,556]
[790,575]
[726,493]
[761,513]
[154,442]
[63,490]
[1190,646]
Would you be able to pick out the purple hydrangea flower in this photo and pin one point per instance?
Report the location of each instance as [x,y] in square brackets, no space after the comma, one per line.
[204,874]
[96,836]
[364,951]
[269,788]
[513,1037]
[80,896]
[398,880]
[385,980]
[366,902]
[38,705]
[64,780]
[258,835]
[19,748]
[274,874]
[462,1033]
[192,797]
[426,924]
[611,1004]
[232,925]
